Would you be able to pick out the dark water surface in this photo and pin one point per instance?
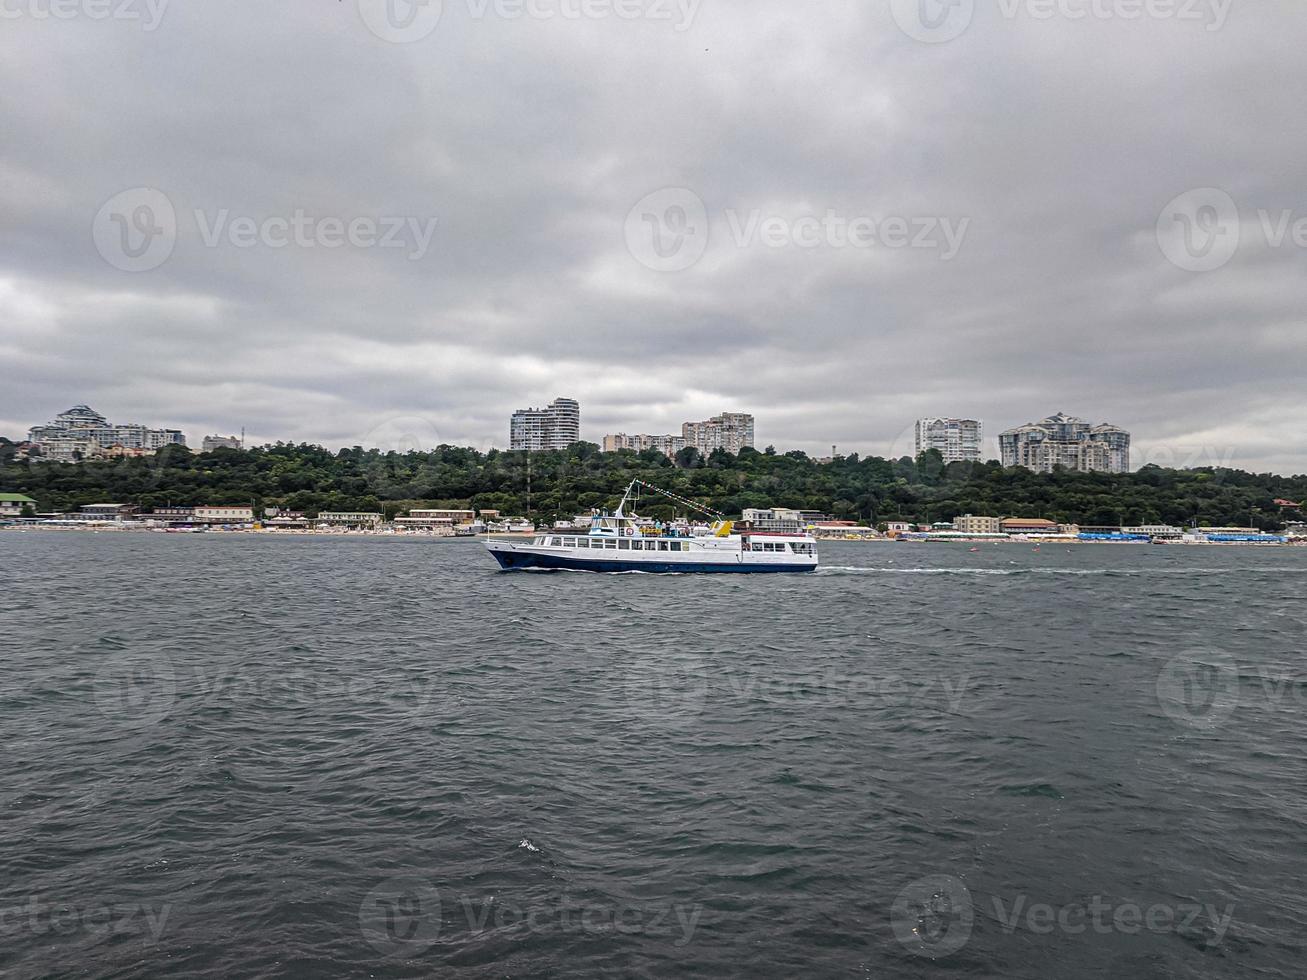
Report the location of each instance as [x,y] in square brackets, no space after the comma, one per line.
[240,756]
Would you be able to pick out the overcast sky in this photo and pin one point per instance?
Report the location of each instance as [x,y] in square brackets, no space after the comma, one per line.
[369,222]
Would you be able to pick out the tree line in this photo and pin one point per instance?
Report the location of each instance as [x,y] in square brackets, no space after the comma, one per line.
[563,483]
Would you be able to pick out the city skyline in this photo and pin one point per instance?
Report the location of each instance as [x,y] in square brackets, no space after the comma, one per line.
[730,430]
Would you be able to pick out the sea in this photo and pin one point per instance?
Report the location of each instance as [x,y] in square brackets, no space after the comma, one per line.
[238,755]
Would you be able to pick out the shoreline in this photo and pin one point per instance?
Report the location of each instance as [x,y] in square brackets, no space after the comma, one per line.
[979,542]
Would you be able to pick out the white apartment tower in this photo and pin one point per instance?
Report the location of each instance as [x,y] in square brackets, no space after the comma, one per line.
[556,426]
[958,440]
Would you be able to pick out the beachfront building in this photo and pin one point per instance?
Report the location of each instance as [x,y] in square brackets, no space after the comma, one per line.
[731,431]
[104,512]
[427,519]
[83,433]
[556,426]
[969,524]
[366,519]
[12,504]
[1029,525]
[223,515]
[957,440]
[1165,531]
[1063,440]
[782,520]
[668,445]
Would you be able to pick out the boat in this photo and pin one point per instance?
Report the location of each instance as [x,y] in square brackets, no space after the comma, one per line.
[623,542]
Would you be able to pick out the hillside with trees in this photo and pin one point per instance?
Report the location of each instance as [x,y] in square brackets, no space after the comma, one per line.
[872,490]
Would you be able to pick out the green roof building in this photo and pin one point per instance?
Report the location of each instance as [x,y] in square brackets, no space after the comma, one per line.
[12,504]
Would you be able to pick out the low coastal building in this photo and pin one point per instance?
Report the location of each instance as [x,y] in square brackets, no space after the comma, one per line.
[170,515]
[779,519]
[367,519]
[1163,531]
[105,512]
[224,515]
[1029,525]
[12,504]
[842,531]
[436,520]
[970,524]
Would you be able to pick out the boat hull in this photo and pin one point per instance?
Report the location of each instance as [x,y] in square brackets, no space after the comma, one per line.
[514,560]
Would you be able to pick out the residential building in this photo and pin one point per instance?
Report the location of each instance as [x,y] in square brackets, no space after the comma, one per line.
[12,504]
[969,524]
[81,433]
[731,431]
[668,445]
[211,443]
[957,440]
[224,515]
[1063,440]
[556,426]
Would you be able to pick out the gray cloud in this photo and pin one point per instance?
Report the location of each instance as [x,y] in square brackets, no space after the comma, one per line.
[529,141]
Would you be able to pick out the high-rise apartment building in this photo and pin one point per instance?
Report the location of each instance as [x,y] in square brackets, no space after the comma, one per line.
[957,440]
[81,433]
[731,431]
[668,445]
[1063,440]
[556,426]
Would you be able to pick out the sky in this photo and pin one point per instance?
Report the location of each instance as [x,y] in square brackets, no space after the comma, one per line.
[377,222]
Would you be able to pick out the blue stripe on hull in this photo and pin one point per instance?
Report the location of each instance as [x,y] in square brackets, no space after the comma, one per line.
[517,560]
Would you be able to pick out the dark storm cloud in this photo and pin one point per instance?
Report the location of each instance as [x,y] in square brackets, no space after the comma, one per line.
[1041,149]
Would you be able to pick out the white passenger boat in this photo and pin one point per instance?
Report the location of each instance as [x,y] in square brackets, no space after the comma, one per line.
[620,542]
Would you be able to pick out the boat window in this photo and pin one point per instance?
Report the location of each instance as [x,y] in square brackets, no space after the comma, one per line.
[685,546]
[624,545]
[582,543]
[611,544]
